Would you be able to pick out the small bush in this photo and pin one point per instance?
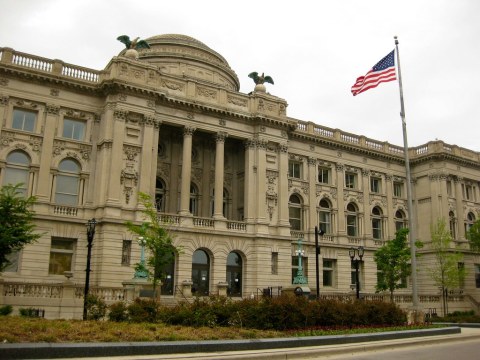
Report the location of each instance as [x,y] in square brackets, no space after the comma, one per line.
[96,308]
[118,312]
[143,311]
[29,312]
[6,310]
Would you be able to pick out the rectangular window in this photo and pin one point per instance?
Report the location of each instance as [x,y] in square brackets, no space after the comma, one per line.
[461,271]
[73,129]
[323,175]
[295,216]
[61,256]
[329,272]
[14,259]
[24,120]
[477,276]
[274,263]
[126,252]
[468,192]
[67,190]
[350,180]
[295,169]
[351,225]
[295,267]
[398,189]
[377,229]
[375,185]
[449,188]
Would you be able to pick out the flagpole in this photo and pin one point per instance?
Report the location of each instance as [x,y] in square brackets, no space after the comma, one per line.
[411,218]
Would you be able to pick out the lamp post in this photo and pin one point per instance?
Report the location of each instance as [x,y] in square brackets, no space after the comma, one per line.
[356,261]
[300,277]
[90,234]
[317,252]
[141,272]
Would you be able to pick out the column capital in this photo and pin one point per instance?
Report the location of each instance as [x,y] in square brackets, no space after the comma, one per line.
[188,130]
[312,161]
[283,148]
[220,136]
[250,143]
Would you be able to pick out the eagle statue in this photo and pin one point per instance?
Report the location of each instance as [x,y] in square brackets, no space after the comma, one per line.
[260,79]
[133,44]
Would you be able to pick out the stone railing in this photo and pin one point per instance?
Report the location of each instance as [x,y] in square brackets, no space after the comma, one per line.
[203,222]
[65,210]
[32,290]
[54,67]
[236,225]
[432,147]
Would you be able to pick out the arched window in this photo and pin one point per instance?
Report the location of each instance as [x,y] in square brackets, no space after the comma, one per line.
[68,183]
[377,225]
[200,273]
[400,220]
[160,195]
[295,212]
[17,170]
[452,221]
[352,220]
[193,199]
[234,274]
[469,222]
[325,217]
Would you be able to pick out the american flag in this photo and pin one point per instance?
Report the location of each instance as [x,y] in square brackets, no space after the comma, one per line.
[383,71]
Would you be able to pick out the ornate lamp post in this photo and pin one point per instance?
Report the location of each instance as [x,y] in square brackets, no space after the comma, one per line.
[90,234]
[141,272]
[300,278]
[356,262]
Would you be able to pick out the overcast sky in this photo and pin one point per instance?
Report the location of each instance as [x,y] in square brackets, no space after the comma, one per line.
[314,51]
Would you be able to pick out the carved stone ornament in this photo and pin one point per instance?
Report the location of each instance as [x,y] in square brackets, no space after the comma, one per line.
[26,104]
[52,109]
[54,92]
[131,152]
[129,180]
[3,81]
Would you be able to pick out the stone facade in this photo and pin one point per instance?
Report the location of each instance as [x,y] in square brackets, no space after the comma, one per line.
[236,180]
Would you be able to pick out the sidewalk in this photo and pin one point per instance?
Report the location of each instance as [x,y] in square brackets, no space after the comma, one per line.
[281,348]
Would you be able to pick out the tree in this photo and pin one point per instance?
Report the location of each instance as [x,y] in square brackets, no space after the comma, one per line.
[473,236]
[16,222]
[446,273]
[393,263]
[158,241]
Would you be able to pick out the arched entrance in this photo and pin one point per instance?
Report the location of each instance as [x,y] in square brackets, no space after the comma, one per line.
[200,273]
[234,274]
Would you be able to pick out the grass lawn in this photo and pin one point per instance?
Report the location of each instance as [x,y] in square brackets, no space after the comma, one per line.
[16,329]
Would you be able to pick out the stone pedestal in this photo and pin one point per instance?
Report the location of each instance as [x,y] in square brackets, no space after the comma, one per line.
[187,288]
[133,288]
[222,288]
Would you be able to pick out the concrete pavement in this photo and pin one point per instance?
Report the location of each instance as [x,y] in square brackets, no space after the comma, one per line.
[290,348]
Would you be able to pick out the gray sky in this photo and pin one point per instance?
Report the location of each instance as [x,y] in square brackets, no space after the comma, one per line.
[314,51]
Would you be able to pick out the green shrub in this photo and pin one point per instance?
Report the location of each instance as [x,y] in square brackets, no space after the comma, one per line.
[96,308]
[6,310]
[143,311]
[29,312]
[118,312]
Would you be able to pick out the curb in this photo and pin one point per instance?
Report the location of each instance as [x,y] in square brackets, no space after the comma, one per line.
[79,350]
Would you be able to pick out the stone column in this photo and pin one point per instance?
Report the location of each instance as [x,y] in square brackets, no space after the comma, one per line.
[114,157]
[44,181]
[219,174]
[389,228]
[459,202]
[249,195]
[312,194]
[340,198]
[186,170]
[283,216]
[261,184]
[147,155]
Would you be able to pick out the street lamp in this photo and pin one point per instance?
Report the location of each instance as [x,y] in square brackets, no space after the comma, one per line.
[317,252]
[300,277]
[356,262]
[90,234]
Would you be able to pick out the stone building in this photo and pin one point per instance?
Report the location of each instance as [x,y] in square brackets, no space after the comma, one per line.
[236,180]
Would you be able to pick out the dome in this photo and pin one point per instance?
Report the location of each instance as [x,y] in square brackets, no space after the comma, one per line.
[181,55]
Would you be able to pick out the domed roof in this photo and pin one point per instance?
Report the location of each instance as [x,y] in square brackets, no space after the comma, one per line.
[185,56]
